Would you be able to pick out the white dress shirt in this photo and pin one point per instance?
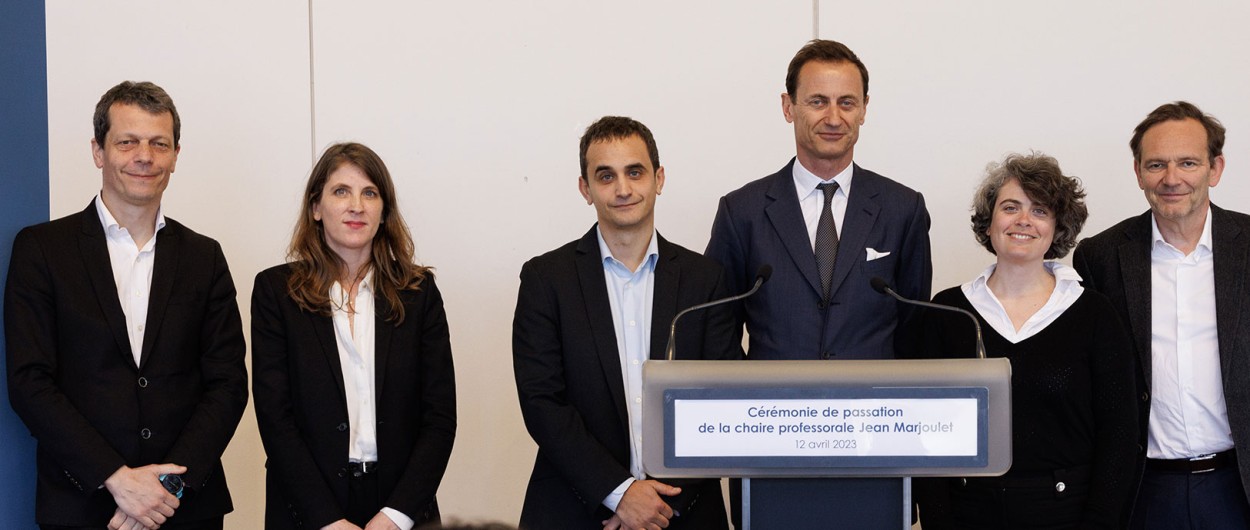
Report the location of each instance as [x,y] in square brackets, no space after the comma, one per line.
[630,293]
[132,272]
[1188,417]
[1067,290]
[357,361]
[812,200]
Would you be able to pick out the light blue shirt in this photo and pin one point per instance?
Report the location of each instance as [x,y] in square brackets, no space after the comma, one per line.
[630,294]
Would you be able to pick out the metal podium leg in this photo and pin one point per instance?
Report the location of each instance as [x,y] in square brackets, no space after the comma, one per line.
[746,504]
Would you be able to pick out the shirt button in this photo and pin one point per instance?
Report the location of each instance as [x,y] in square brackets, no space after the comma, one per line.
[635,362]
[139,327]
[637,400]
[631,323]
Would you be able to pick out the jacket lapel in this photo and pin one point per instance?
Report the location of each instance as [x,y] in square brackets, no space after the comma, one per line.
[95,256]
[599,313]
[861,214]
[323,328]
[786,216]
[1134,259]
[1230,254]
[164,270]
[382,331]
[664,298]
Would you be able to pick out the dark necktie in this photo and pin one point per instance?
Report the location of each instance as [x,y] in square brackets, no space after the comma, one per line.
[826,238]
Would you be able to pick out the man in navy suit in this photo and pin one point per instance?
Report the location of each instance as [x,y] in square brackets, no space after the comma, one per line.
[1177,277]
[588,316]
[124,339]
[814,309]
[827,227]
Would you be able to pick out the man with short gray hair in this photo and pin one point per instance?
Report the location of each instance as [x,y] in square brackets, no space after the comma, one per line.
[125,343]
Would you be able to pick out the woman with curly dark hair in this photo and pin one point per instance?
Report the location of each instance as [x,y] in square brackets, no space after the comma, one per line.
[1074,425]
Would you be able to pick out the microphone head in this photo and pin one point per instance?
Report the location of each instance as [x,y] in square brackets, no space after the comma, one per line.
[764,273]
[879,284]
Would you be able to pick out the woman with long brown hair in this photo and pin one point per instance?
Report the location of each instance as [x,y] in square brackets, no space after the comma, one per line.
[351,360]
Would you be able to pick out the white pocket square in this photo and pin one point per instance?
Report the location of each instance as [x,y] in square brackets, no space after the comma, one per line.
[873,254]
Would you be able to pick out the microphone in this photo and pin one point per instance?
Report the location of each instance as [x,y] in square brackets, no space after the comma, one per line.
[881,286]
[761,276]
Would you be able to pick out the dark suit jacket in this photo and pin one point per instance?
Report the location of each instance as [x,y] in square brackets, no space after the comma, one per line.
[572,393]
[74,382]
[301,406]
[762,223]
[1116,263]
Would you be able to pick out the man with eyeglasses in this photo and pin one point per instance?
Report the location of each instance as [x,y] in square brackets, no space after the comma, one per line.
[1177,277]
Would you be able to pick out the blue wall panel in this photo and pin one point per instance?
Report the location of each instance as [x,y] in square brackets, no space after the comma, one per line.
[23,201]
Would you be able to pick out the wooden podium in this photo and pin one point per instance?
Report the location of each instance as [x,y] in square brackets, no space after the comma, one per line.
[826,444]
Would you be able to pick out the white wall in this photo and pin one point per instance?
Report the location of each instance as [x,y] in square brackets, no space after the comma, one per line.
[477,108]
[959,84]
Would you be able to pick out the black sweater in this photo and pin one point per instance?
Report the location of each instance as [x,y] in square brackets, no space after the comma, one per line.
[1072,395]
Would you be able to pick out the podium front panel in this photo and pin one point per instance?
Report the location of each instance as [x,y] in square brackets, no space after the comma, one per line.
[827,418]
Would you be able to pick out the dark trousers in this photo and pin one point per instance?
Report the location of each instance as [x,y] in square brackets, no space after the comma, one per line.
[1178,501]
[363,500]
[211,524]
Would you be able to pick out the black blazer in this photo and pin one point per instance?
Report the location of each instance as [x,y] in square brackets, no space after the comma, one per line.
[1116,262]
[569,380]
[74,381]
[301,407]
[762,223]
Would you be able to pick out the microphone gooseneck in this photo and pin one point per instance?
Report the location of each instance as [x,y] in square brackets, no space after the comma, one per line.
[765,271]
[881,286]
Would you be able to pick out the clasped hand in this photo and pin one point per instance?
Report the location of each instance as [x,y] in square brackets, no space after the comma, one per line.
[643,507]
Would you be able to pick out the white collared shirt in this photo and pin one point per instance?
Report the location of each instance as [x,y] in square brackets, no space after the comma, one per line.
[812,200]
[132,272]
[1067,290]
[630,293]
[356,358]
[1188,416]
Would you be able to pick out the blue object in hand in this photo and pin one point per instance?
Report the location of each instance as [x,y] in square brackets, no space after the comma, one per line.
[173,484]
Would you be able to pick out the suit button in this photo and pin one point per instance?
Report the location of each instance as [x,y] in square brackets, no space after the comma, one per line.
[342,472]
[342,427]
[145,433]
[826,355]
[1145,396]
[1059,487]
[821,305]
[143,382]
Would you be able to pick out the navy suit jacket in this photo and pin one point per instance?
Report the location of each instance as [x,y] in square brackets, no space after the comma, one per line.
[301,407]
[572,394]
[762,223]
[1116,263]
[74,381]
